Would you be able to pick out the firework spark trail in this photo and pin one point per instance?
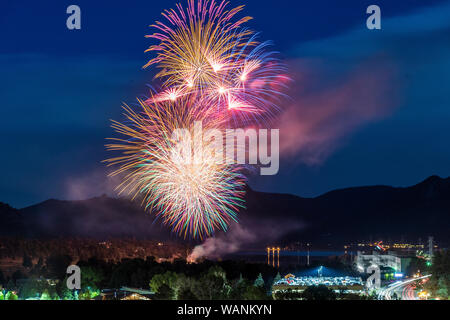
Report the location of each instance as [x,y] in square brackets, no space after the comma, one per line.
[194,198]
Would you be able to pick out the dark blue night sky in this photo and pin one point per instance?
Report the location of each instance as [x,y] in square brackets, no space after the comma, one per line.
[373,106]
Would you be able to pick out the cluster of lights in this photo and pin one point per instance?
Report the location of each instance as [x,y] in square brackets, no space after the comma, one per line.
[408,246]
[424,295]
[315,281]
[387,246]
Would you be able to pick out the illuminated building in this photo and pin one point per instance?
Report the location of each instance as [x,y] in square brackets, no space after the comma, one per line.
[339,284]
[390,262]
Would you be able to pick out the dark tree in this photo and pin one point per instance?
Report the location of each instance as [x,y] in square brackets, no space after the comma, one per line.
[31,289]
[10,285]
[57,265]
[255,293]
[2,278]
[238,289]
[186,294]
[18,275]
[439,283]
[164,293]
[213,285]
[320,292]
[259,282]
[139,278]
[40,263]
[27,262]
[415,265]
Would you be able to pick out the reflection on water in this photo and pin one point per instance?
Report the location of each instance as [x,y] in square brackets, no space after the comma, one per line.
[297,253]
[288,258]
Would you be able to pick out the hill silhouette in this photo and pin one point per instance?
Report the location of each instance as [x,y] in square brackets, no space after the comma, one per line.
[335,217]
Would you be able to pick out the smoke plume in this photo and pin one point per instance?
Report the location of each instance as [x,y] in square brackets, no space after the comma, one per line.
[323,115]
[244,235]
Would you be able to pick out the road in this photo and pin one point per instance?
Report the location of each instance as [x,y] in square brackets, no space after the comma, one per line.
[402,289]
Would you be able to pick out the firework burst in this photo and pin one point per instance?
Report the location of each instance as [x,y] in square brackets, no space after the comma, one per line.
[201,51]
[197,43]
[213,72]
[193,193]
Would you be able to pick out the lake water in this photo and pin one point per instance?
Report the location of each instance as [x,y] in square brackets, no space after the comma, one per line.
[289,257]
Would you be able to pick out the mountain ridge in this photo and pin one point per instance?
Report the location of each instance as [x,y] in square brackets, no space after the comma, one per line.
[336,216]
